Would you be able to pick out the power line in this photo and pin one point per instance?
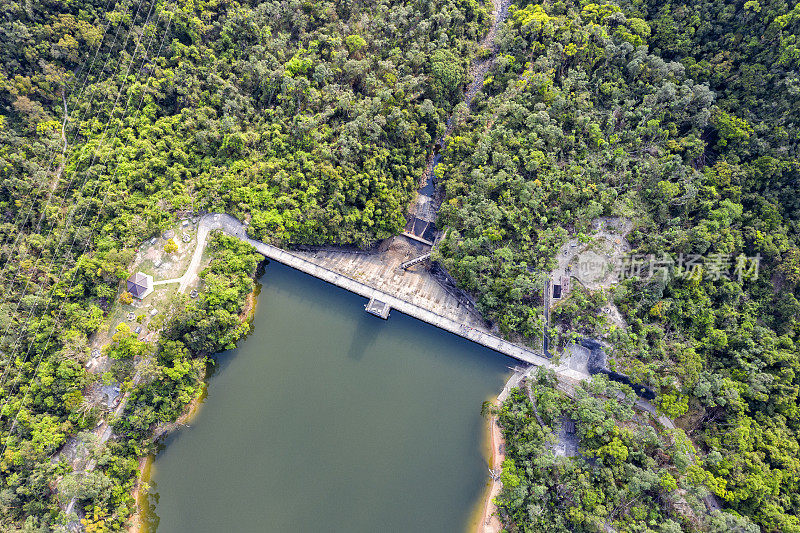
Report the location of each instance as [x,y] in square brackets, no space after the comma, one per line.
[55,254]
[105,196]
[63,200]
[16,222]
[47,342]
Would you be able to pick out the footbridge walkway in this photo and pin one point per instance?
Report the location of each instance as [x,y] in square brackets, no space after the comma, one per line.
[231,226]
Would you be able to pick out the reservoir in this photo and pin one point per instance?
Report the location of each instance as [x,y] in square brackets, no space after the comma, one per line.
[329,419]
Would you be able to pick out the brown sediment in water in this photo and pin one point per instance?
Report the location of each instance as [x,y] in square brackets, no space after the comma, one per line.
[146,463]
[249,308]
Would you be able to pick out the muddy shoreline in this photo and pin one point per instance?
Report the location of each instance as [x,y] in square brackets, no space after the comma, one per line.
[487,520]
[146,462]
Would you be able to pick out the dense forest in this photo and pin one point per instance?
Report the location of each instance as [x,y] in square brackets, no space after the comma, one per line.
[684,119]
[624,478]
[312,121]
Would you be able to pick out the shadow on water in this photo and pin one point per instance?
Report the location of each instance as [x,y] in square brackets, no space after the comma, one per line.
[283,280]
[147,499]
[365,334]
[218,362]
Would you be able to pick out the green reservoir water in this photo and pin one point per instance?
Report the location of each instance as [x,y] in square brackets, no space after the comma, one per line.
[327,419]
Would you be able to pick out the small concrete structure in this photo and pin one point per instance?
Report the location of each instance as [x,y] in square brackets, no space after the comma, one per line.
[378,308]
[556,292]
[140,285]
[417,238]
[415,261]
[110,393]
[420,229]
[567,443]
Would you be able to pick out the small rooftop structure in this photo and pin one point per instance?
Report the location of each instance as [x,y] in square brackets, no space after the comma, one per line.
[378,308]
[140,285]
[556,291]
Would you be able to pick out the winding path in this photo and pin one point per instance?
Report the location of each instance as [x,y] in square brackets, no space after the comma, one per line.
[192,270]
